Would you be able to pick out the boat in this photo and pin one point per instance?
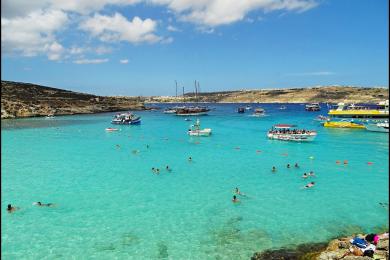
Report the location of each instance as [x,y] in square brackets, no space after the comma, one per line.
[355,116]
[172,110]
[286,132]
[110,129]
[196,131]
[312,107]
[282,108]
[192,111]
[126,119]
[49,116]
[248,107]
[321,118]
[378,127]
[358,111]
[241,110]
[344,123]
[259,112]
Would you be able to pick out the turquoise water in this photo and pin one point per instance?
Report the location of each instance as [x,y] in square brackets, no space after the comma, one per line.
[111,206]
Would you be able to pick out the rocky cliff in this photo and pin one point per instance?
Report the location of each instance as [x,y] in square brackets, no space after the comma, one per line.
[331,94]
[27,100]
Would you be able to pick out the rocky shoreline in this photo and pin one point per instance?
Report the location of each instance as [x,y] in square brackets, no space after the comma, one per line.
[333,250]
[30,100]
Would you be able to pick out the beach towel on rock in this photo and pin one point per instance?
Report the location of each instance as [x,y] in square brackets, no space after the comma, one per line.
[361,243]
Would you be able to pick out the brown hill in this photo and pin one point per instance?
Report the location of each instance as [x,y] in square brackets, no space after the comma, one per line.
[26,100]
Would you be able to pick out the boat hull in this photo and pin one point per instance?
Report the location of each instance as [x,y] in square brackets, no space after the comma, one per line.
[293,137]
[204,132]
[193,114]
[132,122]
[334,124]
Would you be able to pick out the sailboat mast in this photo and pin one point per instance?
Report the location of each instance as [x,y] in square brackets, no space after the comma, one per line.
[183,93]
[196,91]
[176,88]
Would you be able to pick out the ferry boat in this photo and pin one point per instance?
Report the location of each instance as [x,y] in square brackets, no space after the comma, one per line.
[241,110]
[312,107]
[196,131]
[192,111]
[353,116]
[355,111]
[126,119]
[378,127]
[287,132]
[259,112]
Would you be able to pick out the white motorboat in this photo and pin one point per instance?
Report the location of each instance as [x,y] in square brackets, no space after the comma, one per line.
[259,112]
[196,131]
[378,127]
[287,133]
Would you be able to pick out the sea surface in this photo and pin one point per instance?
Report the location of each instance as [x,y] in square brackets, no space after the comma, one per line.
[110,205]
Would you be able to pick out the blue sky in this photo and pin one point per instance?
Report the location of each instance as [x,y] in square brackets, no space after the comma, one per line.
[140,47]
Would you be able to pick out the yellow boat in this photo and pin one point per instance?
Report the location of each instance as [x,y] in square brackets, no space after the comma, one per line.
[353,111]
[343,124]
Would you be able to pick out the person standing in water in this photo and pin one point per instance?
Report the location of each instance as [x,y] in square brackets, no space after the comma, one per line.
[296,165]
[235,200]
[288,165]
[273,169]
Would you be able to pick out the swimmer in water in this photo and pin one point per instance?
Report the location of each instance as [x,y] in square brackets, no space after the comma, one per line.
[118,146]
[11,209]
[305,175]
[311,173]
[40,204]
[238,192]
[190,159]
[384,205]
[296,165]
[273,169]
[157,171]
[153,169]
[288,165]
[168,169]
[147,146]
[309,185]
[235,200]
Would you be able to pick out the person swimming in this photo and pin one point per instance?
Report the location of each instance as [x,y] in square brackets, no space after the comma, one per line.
[296,165]
[153,169]
[311,173]
[305,175]
[288,165]
[40,204]
[190,159]
[11,209]
[168,169]
[238,192]
[273,168]
[157,171]
[235,200]
[309,185]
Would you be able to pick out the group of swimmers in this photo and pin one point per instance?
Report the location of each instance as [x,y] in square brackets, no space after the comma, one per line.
[157,170]
[237,192]
[305,175]
[11,208]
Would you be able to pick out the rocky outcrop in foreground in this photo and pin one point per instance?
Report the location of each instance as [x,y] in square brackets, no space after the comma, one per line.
[28,100]
[323,251]
[330,94]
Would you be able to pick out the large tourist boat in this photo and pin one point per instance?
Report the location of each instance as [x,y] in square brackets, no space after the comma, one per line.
[172,110]
[288,132]
[126,119]
[312,107]
[354,116]
[195,130]
[259,112]
[192,111]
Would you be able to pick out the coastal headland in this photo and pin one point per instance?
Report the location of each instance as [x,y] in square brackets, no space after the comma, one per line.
[30,100]
[330,94]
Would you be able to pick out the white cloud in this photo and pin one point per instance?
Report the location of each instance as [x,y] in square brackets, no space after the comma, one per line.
[118,28]
[76,50]
[172,29]
[213,13]
[89,6]
[103,50]
[54,51]
[33,34]
[90,61]
[124,61]
[315,73]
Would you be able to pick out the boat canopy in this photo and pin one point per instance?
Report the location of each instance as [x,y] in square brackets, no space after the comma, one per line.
[284,126]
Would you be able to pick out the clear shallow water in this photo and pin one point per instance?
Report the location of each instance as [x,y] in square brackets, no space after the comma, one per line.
[111,206]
